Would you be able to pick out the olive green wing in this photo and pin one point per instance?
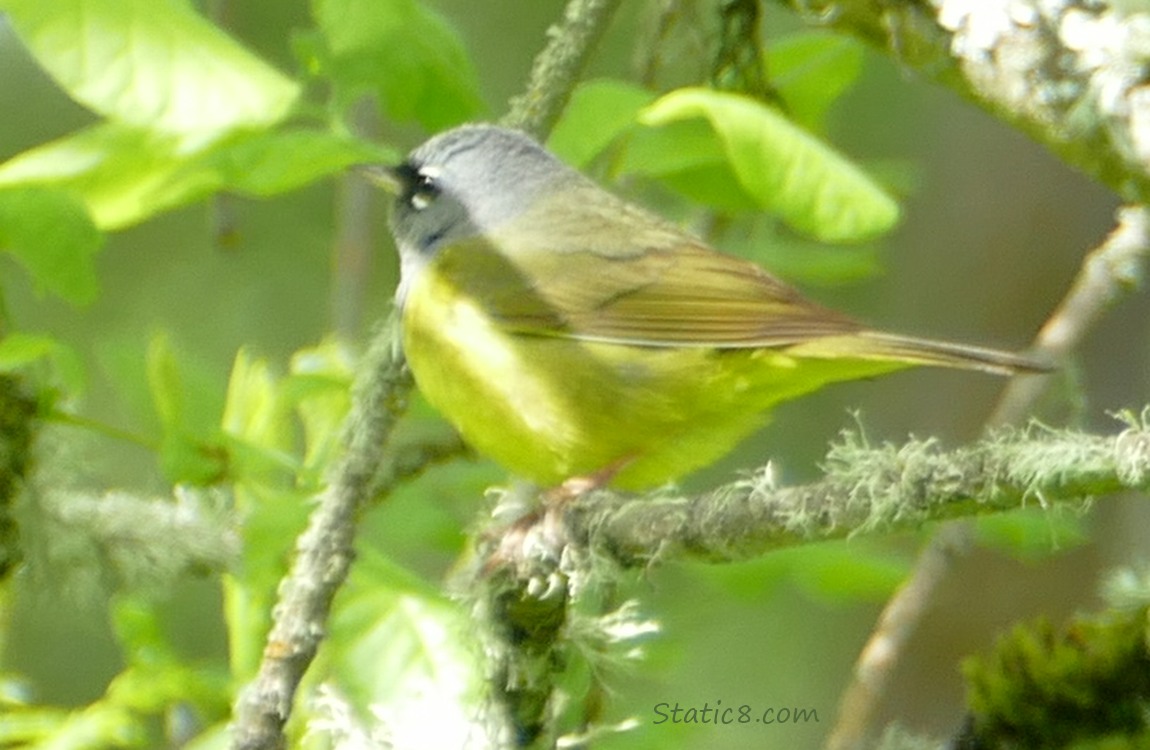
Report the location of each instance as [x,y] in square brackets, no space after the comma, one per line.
[682,294]
[675,291]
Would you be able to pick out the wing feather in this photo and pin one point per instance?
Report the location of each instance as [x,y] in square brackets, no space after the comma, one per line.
[682,294]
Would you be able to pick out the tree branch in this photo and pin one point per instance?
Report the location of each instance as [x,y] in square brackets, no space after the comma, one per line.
[325,550]
[541,562]
[1108,270]
[1068,74]
[558,67]
[1112,268]
[866,490]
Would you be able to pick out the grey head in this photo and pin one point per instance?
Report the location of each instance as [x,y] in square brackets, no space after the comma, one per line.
[468,181]
[463,183]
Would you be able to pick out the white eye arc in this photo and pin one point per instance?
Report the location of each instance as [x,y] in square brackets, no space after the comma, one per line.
[425,191]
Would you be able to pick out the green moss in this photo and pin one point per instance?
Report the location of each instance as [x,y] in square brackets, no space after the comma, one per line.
[17,426]
[1086,687]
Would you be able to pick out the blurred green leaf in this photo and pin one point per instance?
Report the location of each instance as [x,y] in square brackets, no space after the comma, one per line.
[403,647]
[155,65]
[839,571]
[797,259]
[784,168]
[51,235]
[125,174]
[190,450]
[686,156]
[278,161]
[256,419]
[598,113]
[19,350]
[1032,533]
[845,571]
[811,69]
[320,385]
[402,51]
[29,726]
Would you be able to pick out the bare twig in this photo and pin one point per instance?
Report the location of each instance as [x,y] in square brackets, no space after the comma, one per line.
[357,229]
[1106,272]
[558,67]
[898,622]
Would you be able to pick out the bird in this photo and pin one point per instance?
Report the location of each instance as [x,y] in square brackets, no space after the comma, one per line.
[567,333]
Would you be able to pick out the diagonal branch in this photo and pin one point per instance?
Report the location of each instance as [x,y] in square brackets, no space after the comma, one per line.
[1106,272]
[558,67]
[1069,74]
[1110,270]
[325,550]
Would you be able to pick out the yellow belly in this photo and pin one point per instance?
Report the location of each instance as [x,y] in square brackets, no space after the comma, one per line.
[550,408]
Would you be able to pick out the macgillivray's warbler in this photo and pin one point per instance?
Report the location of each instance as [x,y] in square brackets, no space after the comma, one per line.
[567,333]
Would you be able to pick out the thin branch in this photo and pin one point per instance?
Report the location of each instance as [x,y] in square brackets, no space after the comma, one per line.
[900,618]
[357,229]
[558,67]
[325,549]
[1110,269]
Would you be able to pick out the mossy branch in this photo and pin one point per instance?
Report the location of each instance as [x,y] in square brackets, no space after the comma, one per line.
[558,67]
[542,562]
[1070,75]
[324,551]
[365,470]
[865,490]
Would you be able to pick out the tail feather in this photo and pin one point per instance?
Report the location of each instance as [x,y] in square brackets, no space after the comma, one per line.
[888,346]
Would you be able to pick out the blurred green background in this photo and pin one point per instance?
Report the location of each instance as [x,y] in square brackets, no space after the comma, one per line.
[993,233]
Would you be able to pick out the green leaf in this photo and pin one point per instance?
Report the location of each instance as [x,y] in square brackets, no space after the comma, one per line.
[256,420]
[811,69]
[1032,533]
[19,350]
[153,64]
[797,259]
[850,571]
[189,416]
[51,234]
[686,156]
[405,53]
[279,161]
[319,386]
[403,649]
[598,113]
[124,174]
[785,169]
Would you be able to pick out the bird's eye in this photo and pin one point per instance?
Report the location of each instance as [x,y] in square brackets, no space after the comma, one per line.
[424,191]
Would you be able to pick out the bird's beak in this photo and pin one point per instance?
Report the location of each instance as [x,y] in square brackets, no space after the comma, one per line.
[387,178]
